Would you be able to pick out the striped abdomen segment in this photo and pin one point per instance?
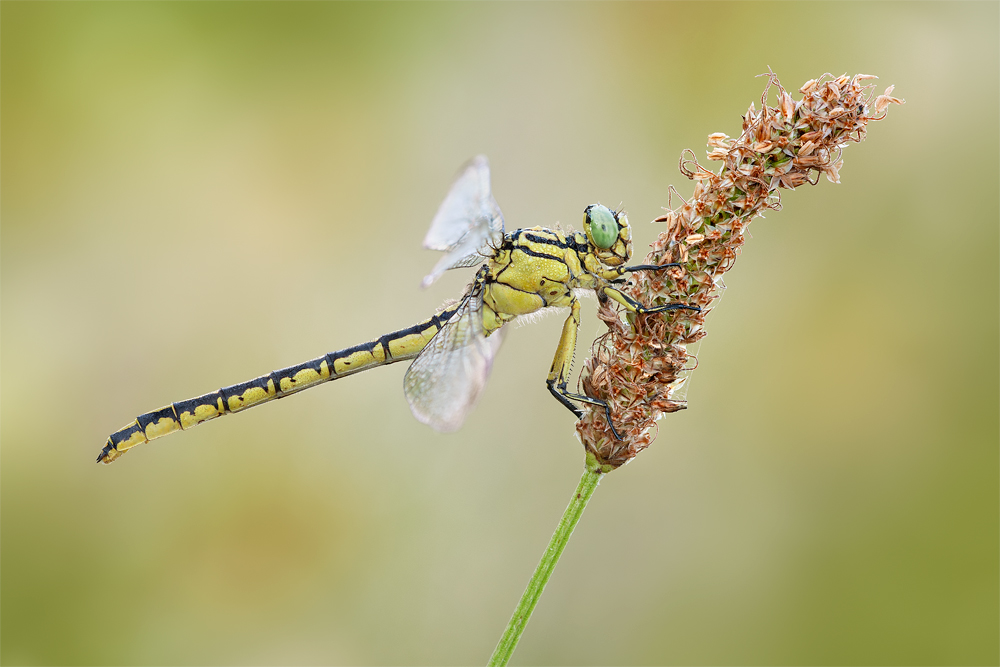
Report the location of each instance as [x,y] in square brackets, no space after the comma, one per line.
[396,346]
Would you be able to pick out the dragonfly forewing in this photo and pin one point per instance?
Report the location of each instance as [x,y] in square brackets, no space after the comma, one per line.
[467,223]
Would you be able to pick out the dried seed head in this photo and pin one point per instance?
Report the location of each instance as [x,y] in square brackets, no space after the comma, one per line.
[637,366]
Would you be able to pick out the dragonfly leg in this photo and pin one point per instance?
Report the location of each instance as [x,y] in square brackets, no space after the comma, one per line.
[636,307]
[616,275]
[649,267]
[561,365]
[563,360]
[563,396]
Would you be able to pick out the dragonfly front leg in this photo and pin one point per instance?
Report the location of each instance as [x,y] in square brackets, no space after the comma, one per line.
[649,267]
[562,364]
[616,275]
[631,304]
[635,307]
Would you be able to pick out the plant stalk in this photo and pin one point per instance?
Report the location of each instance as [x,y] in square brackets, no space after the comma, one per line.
[592,474]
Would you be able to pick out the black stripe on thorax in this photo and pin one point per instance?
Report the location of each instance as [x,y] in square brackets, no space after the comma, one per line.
[570,241]
[537,237]
[534,253]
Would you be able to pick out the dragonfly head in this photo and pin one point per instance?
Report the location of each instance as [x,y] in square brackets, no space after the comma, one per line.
[608,233]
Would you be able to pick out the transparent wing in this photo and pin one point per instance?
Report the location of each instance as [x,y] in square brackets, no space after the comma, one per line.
[444,383]
[467,222]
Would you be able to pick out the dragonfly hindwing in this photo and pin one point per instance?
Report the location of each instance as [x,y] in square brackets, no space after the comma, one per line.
[445,381]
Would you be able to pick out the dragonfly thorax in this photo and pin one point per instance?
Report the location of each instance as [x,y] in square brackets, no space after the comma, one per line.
[608,233]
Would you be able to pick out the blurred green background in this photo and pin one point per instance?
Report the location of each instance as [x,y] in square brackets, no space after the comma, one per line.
[195,194]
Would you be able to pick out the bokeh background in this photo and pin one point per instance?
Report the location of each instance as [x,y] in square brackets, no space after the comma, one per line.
[195,194]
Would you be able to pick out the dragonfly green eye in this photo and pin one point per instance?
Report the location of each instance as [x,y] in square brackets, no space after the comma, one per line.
[601,226]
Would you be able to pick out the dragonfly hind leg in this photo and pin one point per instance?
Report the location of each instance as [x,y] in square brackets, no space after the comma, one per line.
[561,365]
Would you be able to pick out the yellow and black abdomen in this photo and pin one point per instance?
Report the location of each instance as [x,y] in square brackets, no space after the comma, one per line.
[396,346]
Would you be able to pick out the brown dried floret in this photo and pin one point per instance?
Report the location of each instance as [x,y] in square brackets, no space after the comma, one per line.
[637,365]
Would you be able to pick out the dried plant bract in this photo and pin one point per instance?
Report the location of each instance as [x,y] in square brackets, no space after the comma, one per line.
[639,363]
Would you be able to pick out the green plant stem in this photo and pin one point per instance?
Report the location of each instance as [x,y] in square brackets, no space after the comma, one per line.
[592,474]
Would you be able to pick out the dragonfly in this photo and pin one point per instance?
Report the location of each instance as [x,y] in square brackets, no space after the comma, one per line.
[520,273]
